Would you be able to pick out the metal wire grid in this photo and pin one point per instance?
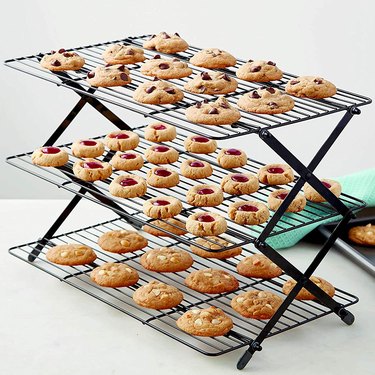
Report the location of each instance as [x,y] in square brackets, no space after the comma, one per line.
[236,235]
[305,109]
[298,313]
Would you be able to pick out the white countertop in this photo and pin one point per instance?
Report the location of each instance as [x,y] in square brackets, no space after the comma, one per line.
[47,327]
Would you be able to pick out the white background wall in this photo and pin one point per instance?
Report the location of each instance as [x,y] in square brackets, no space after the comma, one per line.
[334,39]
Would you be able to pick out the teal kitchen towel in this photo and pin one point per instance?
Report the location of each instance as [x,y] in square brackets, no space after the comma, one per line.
[360,185]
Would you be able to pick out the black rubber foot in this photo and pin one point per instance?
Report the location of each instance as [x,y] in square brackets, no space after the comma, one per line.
[347,317]
[244,360]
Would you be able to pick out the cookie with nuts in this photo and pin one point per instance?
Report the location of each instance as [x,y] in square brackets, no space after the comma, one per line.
[248,212]
[109,76]
[215,245]
[276,174]
[123,54]
[165,68]
[157,92]
[275,199]
[211,83]
[162,207]
[157,295]
[128,186]
[198,144]
[49,156]
[160,132]
[121,140]
[258,266]
[122,241]
[259,71]
[256,304]
[206,224]
[240,183]
[204,196]
[304,294]
[219,112]
[87,148]
[211,281]
[159,227]
[127,161]
[161,154]
[196,169]
[312,87]
[312,195]
[166,259]
[166,42]
[213,58]
[62,60]
[71,254]
[92,170]
[231,158]
[363,235]
[266,100]
[208,322]
[162,177]
[114,275]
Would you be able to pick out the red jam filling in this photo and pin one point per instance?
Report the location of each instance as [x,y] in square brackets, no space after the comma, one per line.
[128,182]
[88,143]
[162,172]
[281,196]
[119,136]
[276,170]
[200,139]
[248,208]
[206,219]
[239,178]
[196,164]
[160,203]
[159,127]
[233,151]
[92,165]
[205,191]
[50,150]
[128,156]
[161,149]
[326,184]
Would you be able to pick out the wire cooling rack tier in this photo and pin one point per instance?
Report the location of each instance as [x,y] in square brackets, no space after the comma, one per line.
[298,313]
[174,114]
[236,235]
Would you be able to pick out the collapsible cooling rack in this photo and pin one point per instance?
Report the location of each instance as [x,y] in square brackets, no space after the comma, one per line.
[246,332]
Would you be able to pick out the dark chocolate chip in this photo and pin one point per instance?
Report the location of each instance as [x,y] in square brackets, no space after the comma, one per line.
[271,90]
[68,54]
[163,66]
[130,52]
[205,101]
[121,68]
[205,76]
[90,74]
[225,76]
[256,69]
[224,105]
[294,82]
[254,95]
[213,111]
[318,81]
[157,57]
[107,65]
[271,63]
[177,34]
[56,63]
[165,35]
[124,76]
[170,90]
[201,89]
[62,50]
[150,89]
[156,79]
[250,60]
[198,105]
[273,105]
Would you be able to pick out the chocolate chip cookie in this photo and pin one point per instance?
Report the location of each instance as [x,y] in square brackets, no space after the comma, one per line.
[258,266]
[122,241]
[165,68]
[122,54]
[167,43]
[109,76]
[62,60]
[312,87]
[213,58]
[259,71]
[71,254]
[114,275]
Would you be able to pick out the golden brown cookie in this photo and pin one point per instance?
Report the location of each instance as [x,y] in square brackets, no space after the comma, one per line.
[198,144]
[214,244]
[128,186]
[167,43]
[276,174]
[196,169]
[127,161]
[71,254]
[157,295]
[206,224]
[208,322]
[92,170]
[231,158]
[310,87]
[275,199]
[121,140]
[304,294]
[162,177]
[363,235]
[114,275]
[162,207]
[166,259]
[87,148]
[172,225]
[62,60]
[50,156]
[165,68]
[259,71]
[213,58]
[122,241]
[248,212]
[312,195]
[204,196]
[122,54]
[240,183]
[211,281]
[109,76]
[258,266]
[160,132]
[256,304]
[160,154]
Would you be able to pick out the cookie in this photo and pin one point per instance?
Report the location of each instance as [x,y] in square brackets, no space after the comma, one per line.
[211,281]
[162,177]
[167,43]
[62,60]
[266,100]
[363,235]
[122,54]
[209,322]
[198,144]
[211,83]
[275,199]
[165,68]
[304,294]
[122,241]
[213,58]
[239,183]
[162,207]
[206,224]
[121,140]
[204,196]
[256,304]
[214,244]
[219,112]
[157,92]
[87,148]
[109,76]
[231,158]
[127,161]
[157,295]
[312,195]
[259,71]
[276,174]
[160,154]
[114,275]
[128,186]
[160,132]
[196,169]
[166,259]
[92,170]
[172,225]
[71,254]
[258,266]
[248,212]
[49,156]
[310,87]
